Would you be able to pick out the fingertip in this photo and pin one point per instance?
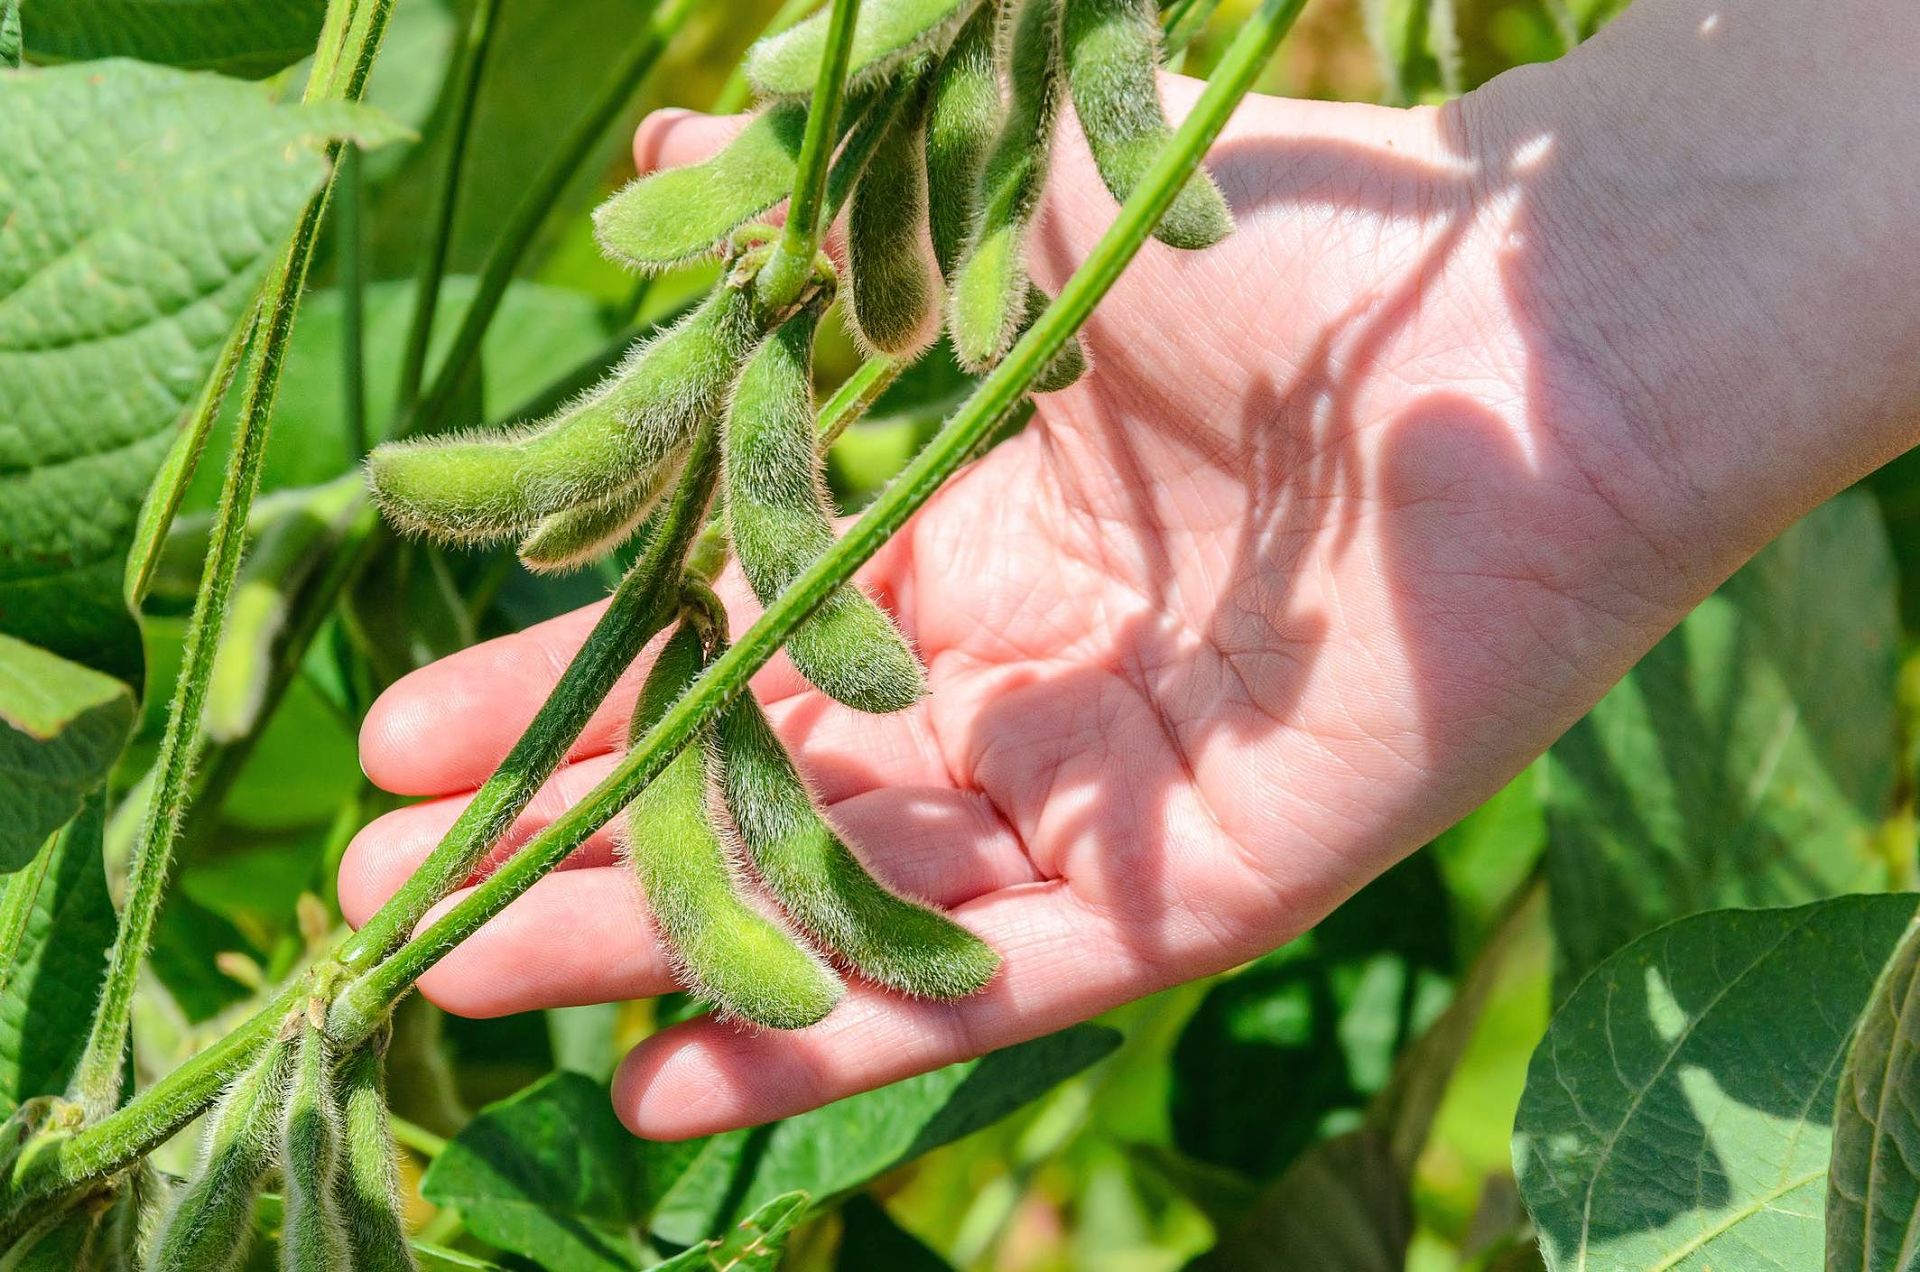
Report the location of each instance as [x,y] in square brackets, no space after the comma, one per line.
[674,136]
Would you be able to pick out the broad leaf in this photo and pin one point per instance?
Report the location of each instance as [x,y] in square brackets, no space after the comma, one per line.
[1295,1046]
[755,1244]
[1747,759]
[870,1238]
[48,997]
[1873,1189]
[1341,1207]
[240,37]
[61,727]
[1678,1114]
[551,1174]
[139,207]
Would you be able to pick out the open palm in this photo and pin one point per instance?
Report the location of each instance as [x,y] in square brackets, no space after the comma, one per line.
[1340,532]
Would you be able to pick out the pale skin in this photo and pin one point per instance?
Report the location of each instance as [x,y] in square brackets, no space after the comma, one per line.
[1358,511]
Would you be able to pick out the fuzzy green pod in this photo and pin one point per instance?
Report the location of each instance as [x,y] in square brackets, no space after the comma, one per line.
[885,35]
[582,534]
[778,517]
[677,215]
[964,111]
[1070,364]
[727,952]
[990,287]
[894,292]
[1112,51]
[822,885]
[367,1186]
[211,1223]
[478,489]
[312,1237]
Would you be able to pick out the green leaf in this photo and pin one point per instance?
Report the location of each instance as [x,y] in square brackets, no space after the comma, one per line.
[47,1001]
[755,1244]
[61,727]
[1341,1207]
[138,210]
[1873,1188]
[1678,1114]
[551,1174]
[870,1238]
[10,36]
[240,37]
[1749,757]
[1295,1046]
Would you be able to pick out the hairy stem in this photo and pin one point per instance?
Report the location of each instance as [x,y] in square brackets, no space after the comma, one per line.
[504,261]
[856,394]
[791,267]
[433,256]
[98,1078]
[351,244]
[367,1000]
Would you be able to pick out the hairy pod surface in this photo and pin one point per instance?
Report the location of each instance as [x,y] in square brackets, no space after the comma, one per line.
[819,882]
[367,1185]
[727,952]
[894,297]
[779,518]
[885,35]
[582,534]
[312,1237]
[211,1223]
[990,288]
[1069,365]
[1112,51]
[479,489]
[964,111]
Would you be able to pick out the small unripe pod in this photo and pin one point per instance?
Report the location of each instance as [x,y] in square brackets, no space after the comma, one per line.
[894,292]
[367,1187]
[312,1237]
[884,36]
[582,534]
[211,1223]
[1112,51]
[963,118]
[1069,365]
[989,297]
[779,518]
[726,952]
[822,885]
[468,490]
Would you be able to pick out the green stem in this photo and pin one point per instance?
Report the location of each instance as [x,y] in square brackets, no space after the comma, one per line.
[364,1003]
[418,1138]
[99,1075]
[433,257]
[504,261]
[856,395]
[350,235]
[787,274]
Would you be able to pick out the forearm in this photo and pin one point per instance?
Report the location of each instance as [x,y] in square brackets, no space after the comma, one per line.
[1727,198]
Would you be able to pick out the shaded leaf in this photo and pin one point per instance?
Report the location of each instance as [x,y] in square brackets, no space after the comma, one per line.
[239,37]
[870,1238]
[138,211]
[1341,1207]
[47,1002]
[1678,1114]
[62,726]
[755,1244]
[1873,1186]
[1747,759]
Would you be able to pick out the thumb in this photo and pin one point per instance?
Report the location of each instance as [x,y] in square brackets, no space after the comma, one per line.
[673,138]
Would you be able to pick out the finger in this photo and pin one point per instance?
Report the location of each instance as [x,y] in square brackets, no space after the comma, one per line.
[1061,965]
[532,954]
[584,935]
[673,138]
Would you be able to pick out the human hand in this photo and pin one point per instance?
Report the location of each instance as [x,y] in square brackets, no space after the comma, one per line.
[1357,512]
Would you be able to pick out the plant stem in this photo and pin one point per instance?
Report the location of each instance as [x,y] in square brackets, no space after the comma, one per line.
[350,235]
[791,266]
[364,1003]
[856,394]
[433,257]
[99,1075]
[504,261]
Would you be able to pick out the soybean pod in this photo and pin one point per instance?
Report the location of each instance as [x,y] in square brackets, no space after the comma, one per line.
[894,292]
[581,534]
[211,1223]
[1073,360]
[990,288]
[1112,52]
[367,1184]
[884,36]
[726,952]
[479,489]
[819,882]
[964,112]
[312,1238]
[779,520]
